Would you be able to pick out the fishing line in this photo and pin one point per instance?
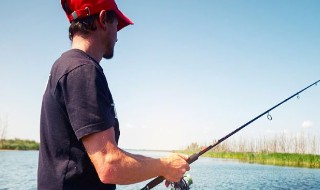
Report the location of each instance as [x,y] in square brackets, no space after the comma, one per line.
[195,156]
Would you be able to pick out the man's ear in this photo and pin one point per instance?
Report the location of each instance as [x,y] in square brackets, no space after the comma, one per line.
[102,19]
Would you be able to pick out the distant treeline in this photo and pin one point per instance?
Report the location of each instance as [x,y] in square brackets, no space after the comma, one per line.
[18,144]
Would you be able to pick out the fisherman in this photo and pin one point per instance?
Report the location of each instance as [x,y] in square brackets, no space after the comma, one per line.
[79,128]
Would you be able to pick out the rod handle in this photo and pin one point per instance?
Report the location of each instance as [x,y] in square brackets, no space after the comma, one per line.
[153,183]
[193,158]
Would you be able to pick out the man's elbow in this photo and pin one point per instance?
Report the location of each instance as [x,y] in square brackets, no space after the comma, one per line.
[109,175]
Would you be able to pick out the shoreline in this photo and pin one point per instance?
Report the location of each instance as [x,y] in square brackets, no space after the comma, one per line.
[18,144]
[274,159]
[12,150]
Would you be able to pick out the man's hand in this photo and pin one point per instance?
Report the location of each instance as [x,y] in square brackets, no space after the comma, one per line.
[175,167]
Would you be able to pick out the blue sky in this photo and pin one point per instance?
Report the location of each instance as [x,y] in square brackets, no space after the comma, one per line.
[186,71]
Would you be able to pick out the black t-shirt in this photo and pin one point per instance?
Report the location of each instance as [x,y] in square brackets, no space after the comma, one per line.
[77,102]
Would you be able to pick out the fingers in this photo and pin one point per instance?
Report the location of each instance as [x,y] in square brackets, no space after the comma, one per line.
[185,157]
[176,167]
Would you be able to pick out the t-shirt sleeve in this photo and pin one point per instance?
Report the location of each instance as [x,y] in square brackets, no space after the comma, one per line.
[88,100]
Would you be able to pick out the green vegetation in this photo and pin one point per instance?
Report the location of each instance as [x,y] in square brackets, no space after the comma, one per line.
[18,144]
[14,144]
[299,150]
[279,159]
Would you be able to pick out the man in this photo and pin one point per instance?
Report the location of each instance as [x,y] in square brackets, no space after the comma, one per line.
[79,128]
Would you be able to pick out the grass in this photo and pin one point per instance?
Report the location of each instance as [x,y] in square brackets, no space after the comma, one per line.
[18,144]
[279,159]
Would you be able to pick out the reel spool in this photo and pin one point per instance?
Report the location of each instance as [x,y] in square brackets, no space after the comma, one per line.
[183,184]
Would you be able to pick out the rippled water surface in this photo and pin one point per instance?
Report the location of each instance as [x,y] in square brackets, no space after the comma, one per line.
[18,170]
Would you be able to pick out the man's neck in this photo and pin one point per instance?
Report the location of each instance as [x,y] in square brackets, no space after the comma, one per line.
[87,45]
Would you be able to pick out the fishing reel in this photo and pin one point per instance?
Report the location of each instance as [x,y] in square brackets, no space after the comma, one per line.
[183,184]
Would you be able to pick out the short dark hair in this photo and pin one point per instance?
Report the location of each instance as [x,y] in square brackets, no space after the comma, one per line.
[84,26]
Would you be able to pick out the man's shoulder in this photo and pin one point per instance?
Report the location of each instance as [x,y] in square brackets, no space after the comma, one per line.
[71,60]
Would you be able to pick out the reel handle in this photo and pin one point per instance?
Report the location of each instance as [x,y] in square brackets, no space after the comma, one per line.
[160,179]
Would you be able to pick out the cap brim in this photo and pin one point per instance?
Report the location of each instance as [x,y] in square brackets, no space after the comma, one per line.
[123,20]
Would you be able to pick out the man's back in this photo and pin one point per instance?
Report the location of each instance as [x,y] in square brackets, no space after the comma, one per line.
[75,85]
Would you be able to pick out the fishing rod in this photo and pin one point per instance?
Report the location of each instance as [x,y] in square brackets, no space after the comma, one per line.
[183,184]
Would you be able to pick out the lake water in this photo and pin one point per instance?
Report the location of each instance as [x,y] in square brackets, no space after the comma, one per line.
[18,170]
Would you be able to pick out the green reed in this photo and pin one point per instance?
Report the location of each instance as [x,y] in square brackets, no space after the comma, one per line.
[279,159]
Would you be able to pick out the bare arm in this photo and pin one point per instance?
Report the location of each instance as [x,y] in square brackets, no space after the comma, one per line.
[117,166]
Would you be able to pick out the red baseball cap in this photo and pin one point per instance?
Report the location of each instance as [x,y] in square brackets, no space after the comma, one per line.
[82,8]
